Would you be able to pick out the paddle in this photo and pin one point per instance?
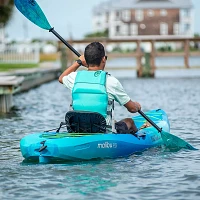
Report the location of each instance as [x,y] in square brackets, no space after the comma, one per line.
[169,140]
[31,10]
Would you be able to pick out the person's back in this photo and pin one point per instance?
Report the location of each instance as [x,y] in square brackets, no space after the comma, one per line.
[95,90]
[89,92]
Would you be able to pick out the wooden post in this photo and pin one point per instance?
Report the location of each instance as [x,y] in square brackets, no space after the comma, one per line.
[70,54]
[8,86]
[187,52]
[63,57]
[105,45]
[152,62]
[139,61]
[6,103]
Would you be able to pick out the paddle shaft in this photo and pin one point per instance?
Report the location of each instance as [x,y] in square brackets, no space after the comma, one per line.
[64,41]
[150,121]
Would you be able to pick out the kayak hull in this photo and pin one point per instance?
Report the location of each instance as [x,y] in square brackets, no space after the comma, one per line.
[46,147]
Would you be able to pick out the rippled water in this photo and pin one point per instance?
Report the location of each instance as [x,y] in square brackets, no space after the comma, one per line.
[152,175]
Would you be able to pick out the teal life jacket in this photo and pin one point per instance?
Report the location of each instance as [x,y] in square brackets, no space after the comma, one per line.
[89,92]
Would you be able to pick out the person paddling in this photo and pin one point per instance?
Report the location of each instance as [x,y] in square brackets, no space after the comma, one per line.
[97,97]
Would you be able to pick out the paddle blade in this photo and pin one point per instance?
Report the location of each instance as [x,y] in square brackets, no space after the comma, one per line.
[31,10]
[175,143]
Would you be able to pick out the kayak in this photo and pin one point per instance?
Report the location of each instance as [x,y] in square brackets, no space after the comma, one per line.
[46,147]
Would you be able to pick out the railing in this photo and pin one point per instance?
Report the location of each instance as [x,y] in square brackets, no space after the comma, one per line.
[139,53]
[20,53]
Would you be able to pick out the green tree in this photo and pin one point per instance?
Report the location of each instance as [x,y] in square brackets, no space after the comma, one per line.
[196,35]
[97,34]
[6,9]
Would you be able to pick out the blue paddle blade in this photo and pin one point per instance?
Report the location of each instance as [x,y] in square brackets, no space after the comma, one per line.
[173,142]
[31,10]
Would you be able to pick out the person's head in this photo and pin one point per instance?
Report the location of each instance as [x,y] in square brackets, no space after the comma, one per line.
[95,55]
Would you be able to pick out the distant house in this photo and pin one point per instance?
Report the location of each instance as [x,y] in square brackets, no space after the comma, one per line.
[135,18]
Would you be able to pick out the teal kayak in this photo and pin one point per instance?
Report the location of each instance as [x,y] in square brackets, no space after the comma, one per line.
[46,147]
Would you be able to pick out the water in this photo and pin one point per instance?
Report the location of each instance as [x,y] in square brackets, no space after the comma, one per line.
[152,175]
[160,62]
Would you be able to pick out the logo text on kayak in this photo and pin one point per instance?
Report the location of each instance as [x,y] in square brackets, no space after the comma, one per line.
[107,145]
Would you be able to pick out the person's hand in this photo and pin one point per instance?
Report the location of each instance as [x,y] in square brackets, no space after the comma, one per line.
[137,106]
[82,58]
[132,106]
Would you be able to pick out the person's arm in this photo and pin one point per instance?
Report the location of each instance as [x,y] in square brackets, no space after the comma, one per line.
[116,90]
[72,68]
[133,107]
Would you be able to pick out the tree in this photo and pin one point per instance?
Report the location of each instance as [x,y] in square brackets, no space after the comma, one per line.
[196,35]
[6,8]
[98,34]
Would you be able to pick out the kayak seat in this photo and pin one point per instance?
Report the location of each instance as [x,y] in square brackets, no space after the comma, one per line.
[85,122]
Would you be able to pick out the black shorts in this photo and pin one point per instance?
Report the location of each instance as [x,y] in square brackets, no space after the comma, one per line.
[121,127]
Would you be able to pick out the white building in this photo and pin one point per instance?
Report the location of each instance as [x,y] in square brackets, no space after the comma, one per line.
[144,18]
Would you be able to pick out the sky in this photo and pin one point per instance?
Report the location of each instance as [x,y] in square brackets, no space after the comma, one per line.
[68,17]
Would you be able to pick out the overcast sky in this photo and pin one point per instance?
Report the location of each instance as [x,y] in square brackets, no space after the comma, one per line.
[69,17]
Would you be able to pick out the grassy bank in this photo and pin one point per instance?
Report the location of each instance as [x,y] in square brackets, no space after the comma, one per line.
[50,57]
[9,67]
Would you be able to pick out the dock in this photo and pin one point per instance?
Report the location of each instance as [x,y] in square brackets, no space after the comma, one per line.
[9,85]
[22,80]
[146,58]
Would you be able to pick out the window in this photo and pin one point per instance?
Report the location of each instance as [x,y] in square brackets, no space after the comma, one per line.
[117,30]
[134,29]
[117,15]
[176,28]
[139,15]
[163,29]
[124,29]
[163,12]
[126,15]
[150,13]
[186,27]
[186,12]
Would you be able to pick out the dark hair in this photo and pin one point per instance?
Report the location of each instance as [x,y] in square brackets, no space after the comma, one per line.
[94,53]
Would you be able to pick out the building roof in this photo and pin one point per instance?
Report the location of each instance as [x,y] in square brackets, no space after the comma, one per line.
[142,4]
